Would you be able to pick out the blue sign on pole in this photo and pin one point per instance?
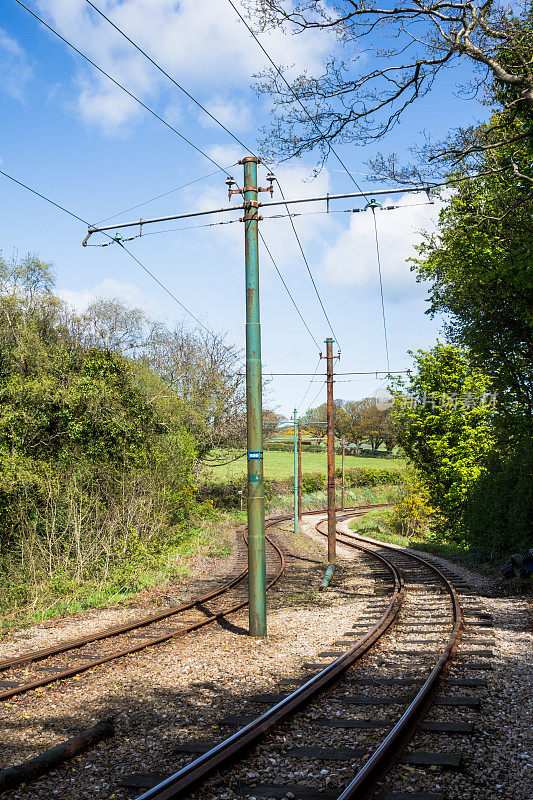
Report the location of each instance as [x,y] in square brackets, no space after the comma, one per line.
[254,455]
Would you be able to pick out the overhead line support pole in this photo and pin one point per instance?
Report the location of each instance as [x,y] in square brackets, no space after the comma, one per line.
[296,504]
[343,474]
[330,421]
[254,408]
[299,472]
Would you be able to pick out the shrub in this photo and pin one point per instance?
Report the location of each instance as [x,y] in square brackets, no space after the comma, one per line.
[498,515]
[412,512]
[367,476]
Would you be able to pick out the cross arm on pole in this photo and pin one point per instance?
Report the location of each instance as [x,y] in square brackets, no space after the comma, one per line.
[187,215]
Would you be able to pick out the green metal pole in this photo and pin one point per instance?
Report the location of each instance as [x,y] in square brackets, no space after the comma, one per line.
[295,473]
[254,409]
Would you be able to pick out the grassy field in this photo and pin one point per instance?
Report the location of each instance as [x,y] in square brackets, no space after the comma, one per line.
[280,465]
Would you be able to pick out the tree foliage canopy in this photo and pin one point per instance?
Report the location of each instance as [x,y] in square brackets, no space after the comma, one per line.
[446,429]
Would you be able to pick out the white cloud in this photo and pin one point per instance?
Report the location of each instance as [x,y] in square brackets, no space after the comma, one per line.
[352,260]
[200,44]
[106,103]
[233,113]
[14,67]
[108,288]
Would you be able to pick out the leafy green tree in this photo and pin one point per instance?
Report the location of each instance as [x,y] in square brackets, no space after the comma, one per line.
[480,271]
[82,428]
[445,426]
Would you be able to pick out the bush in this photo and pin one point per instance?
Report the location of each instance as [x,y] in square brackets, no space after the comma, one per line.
[498,514]
[412,513]
[313,482]
[367,476]
[226,495]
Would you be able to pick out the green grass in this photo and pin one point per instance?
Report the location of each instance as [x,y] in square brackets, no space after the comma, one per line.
[318,500]
[375,525]
[280,465]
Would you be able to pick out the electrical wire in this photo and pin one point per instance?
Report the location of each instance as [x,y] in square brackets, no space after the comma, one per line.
[218,122]
[168,291]
[130,94]
[316,395]
[43,197]
[233,221]
[223,463]
[300,404]
[165,194]
[80,219]
[307,263]
[114,240]
[381,288]
[291,90]
[287,290]
[166,74]
[374,372]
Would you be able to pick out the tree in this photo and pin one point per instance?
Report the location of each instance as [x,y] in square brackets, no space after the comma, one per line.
[479,268]
[445,426]
[202,379]
[356,422]
[409,45]
[208,376]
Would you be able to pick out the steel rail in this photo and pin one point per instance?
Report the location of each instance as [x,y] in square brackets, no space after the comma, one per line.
[385,755]
[108,633]
[235,745]
[68,673]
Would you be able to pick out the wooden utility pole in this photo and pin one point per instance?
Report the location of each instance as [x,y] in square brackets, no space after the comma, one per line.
[342,490]
[331,454]
[299,472]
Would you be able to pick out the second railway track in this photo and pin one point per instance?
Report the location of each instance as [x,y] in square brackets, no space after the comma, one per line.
[37,668]
[33,669]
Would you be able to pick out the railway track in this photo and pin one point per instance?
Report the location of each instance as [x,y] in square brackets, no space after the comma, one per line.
[333,699]
[36,668]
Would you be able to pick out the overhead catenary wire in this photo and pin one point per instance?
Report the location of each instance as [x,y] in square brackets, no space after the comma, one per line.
[291,90]
[84,221]
[43,197]
[167,75]
[300,404]
[127,91]
[164,194]
[233,221]
[376,372]
[381,287]
[116,240]
[323,383]
[307,265]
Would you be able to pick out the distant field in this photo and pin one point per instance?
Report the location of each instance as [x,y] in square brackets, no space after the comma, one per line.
[280,465]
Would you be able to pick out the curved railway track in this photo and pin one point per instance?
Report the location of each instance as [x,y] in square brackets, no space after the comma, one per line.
[422,601]
[36,668]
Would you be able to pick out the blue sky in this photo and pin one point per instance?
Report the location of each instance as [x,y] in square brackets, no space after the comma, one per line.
[73,136]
